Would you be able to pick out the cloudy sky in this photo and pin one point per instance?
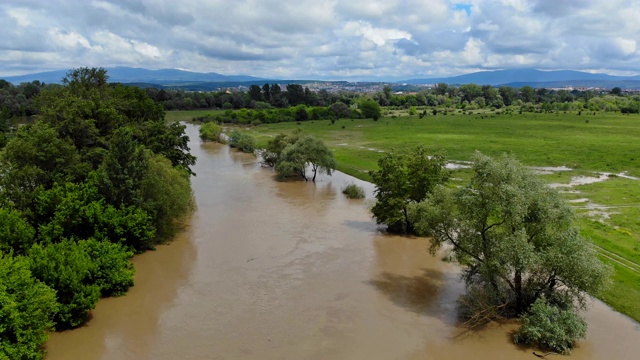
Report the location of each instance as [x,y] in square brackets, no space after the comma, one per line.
[327,39]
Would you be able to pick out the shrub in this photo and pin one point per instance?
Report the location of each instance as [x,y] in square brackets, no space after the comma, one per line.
[353,191]
[210,131]
[241,141]
[550,327]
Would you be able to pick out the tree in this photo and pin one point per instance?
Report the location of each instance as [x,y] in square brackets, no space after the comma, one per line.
[255,93]
[112,269]
[309,150]
[340,110]
[616,91]
[37,157]
[67,269]
[404,178]
[123,169]
[295,94]
[272,153]
[167,196]
[26,310]
[210,131]
[516,241]
[266,92]
[370,109]
[16,234]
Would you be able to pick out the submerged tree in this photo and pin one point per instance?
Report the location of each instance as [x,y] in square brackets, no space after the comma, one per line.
[405,178]
[516,240]
[307,151]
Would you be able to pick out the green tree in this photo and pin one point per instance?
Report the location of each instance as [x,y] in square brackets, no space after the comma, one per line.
[340,110]
[308,151]
[112,270]
[404,178]
[67,269]
[255,93]
[272,153]
[370,109]
[210,131]
[37,157]
[26,310]
[16,234]
[167,196]
[123,169]
[515,239]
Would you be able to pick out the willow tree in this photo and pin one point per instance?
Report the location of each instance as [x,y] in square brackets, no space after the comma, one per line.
[518,245]
[404,178]
[307,151]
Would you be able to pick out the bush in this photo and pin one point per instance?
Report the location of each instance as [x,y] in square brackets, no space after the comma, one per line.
[353,191]
[550,327]
[210,131]
[241,141]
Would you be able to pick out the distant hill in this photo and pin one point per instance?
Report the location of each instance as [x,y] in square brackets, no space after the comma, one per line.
[535,78]
[139,75]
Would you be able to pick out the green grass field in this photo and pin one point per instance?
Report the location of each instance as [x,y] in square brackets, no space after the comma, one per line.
[604,142]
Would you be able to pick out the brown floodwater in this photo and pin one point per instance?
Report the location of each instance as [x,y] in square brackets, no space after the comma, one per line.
[294,270]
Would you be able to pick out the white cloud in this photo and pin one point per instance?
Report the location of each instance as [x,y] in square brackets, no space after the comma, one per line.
[323,38]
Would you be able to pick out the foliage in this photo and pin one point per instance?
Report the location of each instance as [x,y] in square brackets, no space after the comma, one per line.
[120,175]
[67,269]
[515,239]
[78,211]
[16,234]
[98,176]
[353,191]
[26,308]
[112,269]
[210,131]
[405,178]
[37,157]
[241,141]
[370,109]
[308,150]
[167,195]
[272,153]
[550,327]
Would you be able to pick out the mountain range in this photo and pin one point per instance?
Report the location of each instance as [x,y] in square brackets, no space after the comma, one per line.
[174,78]
[536,78]
[139,75]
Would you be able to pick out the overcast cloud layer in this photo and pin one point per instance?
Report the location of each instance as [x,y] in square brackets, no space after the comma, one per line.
[321,38]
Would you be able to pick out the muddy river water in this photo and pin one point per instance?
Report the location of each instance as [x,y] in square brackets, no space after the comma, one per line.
[294,270]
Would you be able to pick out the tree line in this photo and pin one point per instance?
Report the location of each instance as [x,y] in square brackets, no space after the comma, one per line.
[97,178]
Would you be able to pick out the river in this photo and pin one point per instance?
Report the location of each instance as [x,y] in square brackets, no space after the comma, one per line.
[294,270]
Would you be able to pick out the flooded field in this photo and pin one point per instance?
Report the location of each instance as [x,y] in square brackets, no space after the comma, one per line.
[294,270]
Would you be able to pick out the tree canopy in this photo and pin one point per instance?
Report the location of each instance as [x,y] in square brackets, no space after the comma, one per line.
[305,151]
[404,178]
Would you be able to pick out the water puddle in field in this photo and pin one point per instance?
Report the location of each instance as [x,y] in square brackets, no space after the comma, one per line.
[294,270]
